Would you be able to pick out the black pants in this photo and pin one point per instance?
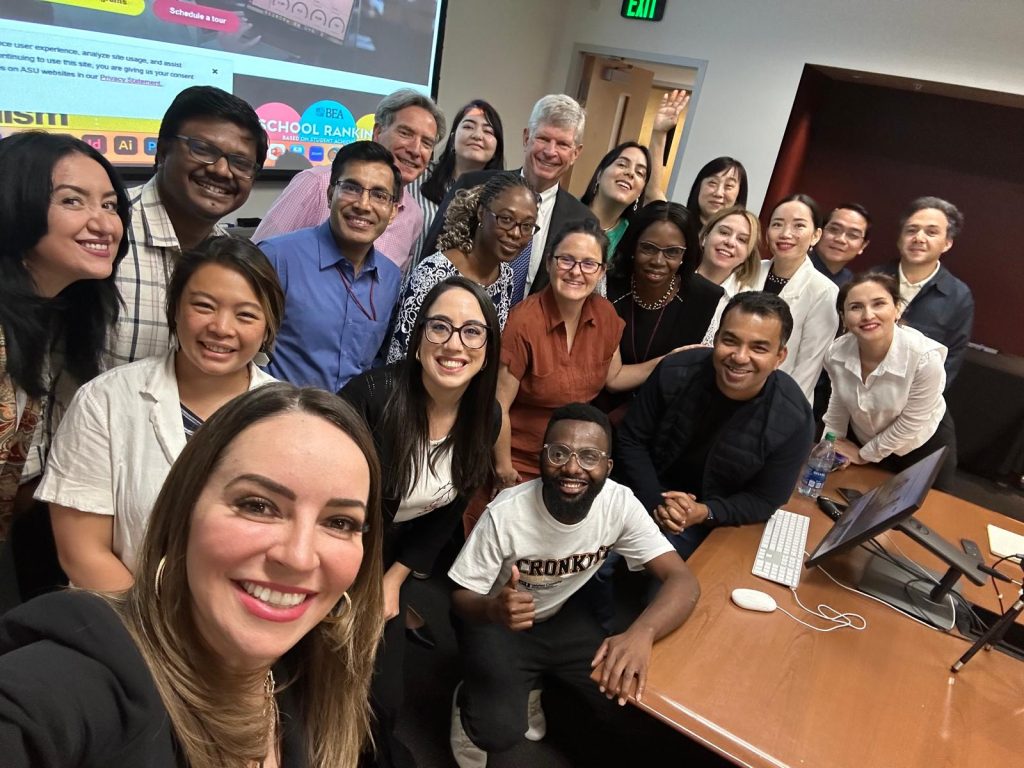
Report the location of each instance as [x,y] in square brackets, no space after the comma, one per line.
[501,667]
[945,435]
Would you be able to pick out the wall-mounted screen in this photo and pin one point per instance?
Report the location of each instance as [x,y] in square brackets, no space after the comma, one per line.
[314,70]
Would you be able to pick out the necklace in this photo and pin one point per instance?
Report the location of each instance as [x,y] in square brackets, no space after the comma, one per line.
[270,712]
[659,306]
[775,279]
[660,303]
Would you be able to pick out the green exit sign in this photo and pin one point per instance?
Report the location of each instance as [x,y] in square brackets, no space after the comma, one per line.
[646,10]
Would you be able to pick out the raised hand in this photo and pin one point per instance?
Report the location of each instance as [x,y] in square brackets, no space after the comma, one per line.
[672,105]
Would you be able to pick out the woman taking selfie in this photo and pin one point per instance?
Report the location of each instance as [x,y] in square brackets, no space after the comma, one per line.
[63,213]
[247,638]
[887,380]
[125,428]
[729,256]
[434,420]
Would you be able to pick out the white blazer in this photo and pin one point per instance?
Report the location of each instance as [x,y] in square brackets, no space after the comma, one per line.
[812,300]
[116,444]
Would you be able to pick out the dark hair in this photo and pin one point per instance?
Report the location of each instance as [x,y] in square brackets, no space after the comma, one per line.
[713,168]
[888,282]
[440,177]
[857,208]
[84,312]
[954,219]
[461,217]
[405,416]
[580,412]
[807,200]
[365,152]
[763,305]
[332,664]
[625,254]
[591,191]
[242,256]
[582,227]
[204,102]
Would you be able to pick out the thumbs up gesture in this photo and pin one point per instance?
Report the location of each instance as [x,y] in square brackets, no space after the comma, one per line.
[512,608]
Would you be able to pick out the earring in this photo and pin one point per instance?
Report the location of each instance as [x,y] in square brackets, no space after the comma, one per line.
[261,358]
[340,610]
[635,204]
[159,576]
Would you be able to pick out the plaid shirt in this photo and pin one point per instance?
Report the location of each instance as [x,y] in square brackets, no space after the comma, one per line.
[142,279]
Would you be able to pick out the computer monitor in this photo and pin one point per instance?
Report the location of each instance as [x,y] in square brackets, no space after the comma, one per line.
[893,579]
[880,509]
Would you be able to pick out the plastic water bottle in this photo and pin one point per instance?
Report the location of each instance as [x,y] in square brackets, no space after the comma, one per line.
[819,464]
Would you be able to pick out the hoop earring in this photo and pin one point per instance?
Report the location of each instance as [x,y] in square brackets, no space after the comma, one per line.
[159,576]
[339,613]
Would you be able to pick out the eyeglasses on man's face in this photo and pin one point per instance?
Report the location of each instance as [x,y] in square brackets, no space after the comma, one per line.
[558,455]
[350,192]
[208,154]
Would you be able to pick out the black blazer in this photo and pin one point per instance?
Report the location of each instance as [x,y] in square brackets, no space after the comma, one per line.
[567,208]
[415,543]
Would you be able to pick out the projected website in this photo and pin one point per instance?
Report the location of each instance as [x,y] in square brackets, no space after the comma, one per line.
[106,70]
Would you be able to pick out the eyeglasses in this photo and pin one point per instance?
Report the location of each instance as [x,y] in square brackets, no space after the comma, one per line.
[508,224]
[349,190]
[558,455]
[208,154]
[587,266]
[834,230]
[672,253]
[437,330]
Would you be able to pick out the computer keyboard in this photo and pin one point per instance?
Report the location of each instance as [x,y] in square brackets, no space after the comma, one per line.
[780,555]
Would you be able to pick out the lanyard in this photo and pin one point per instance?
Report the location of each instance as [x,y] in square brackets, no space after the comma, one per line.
[372,314]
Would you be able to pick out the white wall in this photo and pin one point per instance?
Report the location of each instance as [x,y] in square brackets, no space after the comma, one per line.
[511,52]
[756,49]
[499,50]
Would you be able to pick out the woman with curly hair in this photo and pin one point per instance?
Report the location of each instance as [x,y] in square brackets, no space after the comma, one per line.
[485,228]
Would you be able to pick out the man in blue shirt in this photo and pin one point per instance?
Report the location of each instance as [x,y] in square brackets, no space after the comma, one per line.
[843,239]
[339,290]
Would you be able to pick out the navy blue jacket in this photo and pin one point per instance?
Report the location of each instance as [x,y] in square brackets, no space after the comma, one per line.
[943,311]
[754,464]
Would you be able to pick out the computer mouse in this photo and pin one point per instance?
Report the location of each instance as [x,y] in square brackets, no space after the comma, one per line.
[753,600]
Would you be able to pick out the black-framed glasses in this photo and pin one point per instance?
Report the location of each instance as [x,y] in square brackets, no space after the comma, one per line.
[507,223]
[349,190]
[649,249]
[558,455]
[437,330]
[587,266]
[208,154]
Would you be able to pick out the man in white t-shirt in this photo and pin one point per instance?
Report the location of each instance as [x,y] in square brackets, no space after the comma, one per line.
[520,614]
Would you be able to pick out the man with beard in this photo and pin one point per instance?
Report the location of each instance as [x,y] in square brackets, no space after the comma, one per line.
[718,436]
[520,613]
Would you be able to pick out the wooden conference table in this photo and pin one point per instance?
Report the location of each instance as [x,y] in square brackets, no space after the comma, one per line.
[762,690]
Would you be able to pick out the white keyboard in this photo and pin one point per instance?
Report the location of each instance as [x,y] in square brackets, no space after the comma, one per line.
[780,555]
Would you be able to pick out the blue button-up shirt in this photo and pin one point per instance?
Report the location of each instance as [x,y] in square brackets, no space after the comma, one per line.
[325,338]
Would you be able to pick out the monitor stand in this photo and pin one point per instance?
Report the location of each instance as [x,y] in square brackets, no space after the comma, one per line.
[897,587]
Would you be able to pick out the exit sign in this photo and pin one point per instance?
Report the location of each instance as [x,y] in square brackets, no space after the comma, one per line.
[645,10]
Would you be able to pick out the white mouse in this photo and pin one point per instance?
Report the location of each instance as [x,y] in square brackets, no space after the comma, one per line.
[753,600]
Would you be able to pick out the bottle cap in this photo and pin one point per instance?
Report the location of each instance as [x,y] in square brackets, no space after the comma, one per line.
[830,436]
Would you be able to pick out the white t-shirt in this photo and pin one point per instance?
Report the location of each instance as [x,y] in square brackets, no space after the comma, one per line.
[554,560]
[433,489]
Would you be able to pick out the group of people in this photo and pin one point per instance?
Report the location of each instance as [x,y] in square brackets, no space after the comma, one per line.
[247,448]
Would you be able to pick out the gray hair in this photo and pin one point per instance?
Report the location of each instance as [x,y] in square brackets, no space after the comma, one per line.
[561,111]
[954,219]
[395,102]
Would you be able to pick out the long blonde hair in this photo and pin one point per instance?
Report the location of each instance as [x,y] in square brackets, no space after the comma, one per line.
[215,718]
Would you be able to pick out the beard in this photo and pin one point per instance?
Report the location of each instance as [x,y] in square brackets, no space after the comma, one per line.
[568,510]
